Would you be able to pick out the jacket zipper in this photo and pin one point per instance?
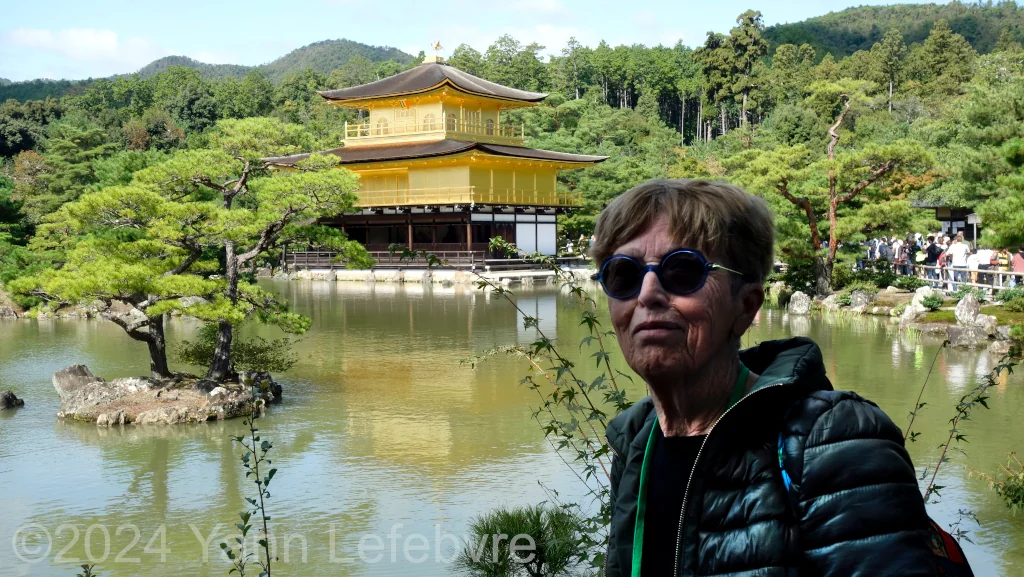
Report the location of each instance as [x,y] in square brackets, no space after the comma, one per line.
[689,481]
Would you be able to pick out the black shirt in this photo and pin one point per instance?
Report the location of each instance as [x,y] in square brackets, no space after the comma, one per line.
[933,252]
[672,460]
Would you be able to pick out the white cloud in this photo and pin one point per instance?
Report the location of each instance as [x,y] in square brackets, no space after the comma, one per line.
[97,52]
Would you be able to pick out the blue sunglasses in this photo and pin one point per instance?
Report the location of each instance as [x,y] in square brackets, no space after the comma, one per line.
[680,272]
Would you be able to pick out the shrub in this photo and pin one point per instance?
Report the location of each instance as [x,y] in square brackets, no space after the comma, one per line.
[1015,305]
[860,285]
[255,354]
[878,272]
[842,275]
[962,291]
[1009,294]
[557,536]
[799,274]
[932,303]
[910,283]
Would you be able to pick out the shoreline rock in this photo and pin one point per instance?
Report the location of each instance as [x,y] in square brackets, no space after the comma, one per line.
[148,401]
[8,400]
[799,304]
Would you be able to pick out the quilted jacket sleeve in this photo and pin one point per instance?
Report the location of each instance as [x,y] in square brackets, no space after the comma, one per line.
[854,490]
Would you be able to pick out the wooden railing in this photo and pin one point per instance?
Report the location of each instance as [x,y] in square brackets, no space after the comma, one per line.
[384,259]
[465,195]
[996,280]
[510,132]
[478,259]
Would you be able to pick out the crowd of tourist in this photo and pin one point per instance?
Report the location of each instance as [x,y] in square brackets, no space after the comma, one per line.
[947,262]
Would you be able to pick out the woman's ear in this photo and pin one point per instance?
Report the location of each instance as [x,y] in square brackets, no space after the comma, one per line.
[751,298]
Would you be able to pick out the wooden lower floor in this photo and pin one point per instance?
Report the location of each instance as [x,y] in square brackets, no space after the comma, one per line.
[451,230]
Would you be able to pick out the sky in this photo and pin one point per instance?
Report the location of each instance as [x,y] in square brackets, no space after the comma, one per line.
[76,39]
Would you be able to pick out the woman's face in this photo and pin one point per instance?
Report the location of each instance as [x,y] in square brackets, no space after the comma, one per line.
[666,336]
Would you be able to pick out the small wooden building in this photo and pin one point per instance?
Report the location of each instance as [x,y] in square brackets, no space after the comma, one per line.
[441,169]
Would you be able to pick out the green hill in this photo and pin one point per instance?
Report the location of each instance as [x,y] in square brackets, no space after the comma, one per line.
[329,55]
[843,33]
[4,82]
[323,56]
[208,70]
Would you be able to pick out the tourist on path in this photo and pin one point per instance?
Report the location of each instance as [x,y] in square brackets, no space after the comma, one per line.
[932,253]
[1018,266]
[1002,261]
[958,260]
[740,462]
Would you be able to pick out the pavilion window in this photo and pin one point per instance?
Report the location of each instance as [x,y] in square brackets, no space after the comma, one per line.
[405,120]
[489,130]
[382,127]
[429,122]
[450,125]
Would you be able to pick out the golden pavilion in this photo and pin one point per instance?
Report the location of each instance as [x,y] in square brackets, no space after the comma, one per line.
[440,168]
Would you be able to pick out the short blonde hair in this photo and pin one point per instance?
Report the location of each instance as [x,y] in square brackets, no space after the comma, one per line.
[717,218]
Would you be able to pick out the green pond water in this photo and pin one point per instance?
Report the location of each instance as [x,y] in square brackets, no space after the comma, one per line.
[384,433]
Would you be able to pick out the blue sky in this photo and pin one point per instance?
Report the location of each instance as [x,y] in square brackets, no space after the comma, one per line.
[79,39]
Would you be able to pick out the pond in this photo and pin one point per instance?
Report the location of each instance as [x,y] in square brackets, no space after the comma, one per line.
[385,434]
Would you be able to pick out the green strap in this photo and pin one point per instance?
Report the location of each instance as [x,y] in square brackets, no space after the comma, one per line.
[641,501]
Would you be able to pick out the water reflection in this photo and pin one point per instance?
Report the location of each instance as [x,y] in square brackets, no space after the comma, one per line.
[382,424]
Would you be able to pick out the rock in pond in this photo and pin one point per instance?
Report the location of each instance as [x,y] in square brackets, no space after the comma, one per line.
[9,401]
[967,310]
[916,306]
[860,299]
[1000,347]
[831,302]
[799,304]
[966,337]
[987,323]
[145,400]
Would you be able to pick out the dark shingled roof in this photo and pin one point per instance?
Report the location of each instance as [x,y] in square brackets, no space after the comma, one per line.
[359,154]
[425,77]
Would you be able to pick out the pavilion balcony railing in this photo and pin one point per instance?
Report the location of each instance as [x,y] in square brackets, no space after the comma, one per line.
[451,127]
[466,195]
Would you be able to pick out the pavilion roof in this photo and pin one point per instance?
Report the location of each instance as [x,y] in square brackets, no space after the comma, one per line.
[426,77]
[382,153]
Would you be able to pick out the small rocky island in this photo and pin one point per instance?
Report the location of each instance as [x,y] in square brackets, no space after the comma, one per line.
[148,401]
[8,400]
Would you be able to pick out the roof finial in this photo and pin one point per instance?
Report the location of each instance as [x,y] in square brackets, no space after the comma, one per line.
[436,45]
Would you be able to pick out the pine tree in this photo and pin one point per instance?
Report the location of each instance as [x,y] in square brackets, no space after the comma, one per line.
[888,55]
[747,49]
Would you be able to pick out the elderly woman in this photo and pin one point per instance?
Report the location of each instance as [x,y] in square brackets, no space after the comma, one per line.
[741,463]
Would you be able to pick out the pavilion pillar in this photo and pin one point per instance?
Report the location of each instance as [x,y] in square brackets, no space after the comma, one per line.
[409,225]
[469,235]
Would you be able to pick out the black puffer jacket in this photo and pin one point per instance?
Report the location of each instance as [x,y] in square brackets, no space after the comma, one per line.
[854,508]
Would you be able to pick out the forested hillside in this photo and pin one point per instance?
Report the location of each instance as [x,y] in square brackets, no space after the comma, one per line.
[323,57]
[211,71]
[839,147]
[329,55]
[845,32]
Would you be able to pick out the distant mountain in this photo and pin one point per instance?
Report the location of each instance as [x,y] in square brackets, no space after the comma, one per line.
[323,57]
[329,55]
[843,33]
[208,70]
